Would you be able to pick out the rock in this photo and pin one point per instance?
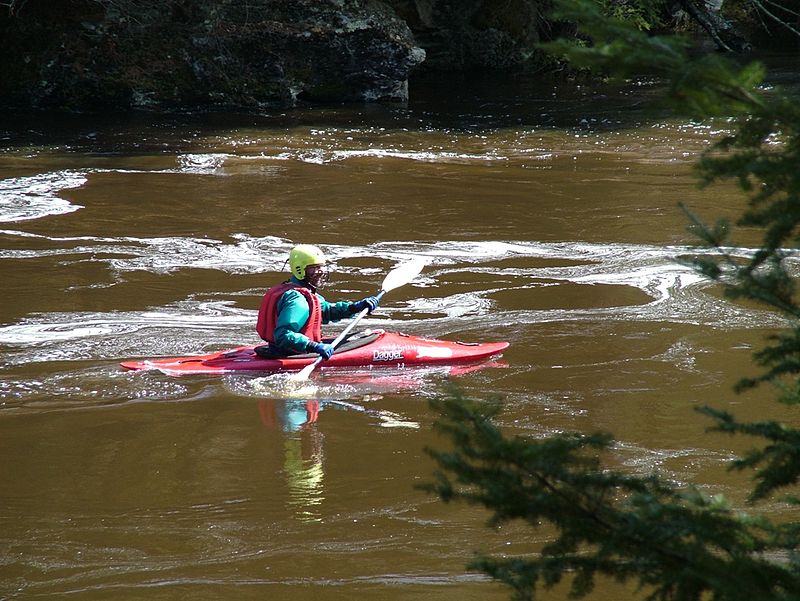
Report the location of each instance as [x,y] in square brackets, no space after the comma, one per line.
[160,54]
[477,34]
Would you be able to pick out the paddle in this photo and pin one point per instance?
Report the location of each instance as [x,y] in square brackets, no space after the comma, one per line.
[399,276]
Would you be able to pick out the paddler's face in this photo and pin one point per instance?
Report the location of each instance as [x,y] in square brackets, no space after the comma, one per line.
[317,275]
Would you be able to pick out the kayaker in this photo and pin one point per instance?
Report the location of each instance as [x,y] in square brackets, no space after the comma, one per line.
[292,313]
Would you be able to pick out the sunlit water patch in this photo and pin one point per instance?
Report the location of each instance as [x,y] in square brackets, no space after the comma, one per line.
[84,388]
[160,255]
[677,292]
[676,289]
[188,327]
[36,196]
[351,389]
[663,141]
[32,197]
[202,163]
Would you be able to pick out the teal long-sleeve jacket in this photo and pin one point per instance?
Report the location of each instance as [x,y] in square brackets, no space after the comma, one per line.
[293,313]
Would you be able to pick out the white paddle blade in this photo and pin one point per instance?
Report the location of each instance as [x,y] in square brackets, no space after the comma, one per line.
[304,373]
[402,274]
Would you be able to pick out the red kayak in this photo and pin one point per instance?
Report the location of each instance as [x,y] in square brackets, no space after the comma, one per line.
[372,349]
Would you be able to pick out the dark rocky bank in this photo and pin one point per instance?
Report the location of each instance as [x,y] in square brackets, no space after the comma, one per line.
[85,55]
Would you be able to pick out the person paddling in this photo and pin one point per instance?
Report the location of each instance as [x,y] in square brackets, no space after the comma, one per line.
[292,313]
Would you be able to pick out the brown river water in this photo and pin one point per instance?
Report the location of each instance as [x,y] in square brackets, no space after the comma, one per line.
[548,222]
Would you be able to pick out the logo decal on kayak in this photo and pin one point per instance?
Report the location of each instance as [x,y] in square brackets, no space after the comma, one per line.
[387,355]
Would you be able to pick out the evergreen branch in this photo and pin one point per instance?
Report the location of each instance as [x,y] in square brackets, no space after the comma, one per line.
[781,456]
[698,88]
[679,545]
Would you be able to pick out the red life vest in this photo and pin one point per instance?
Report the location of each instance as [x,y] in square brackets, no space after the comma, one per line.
[268,312]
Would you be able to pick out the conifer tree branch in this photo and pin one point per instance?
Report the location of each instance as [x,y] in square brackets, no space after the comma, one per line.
[679,545]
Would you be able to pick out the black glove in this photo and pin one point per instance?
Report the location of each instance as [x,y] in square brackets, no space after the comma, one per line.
[371,303]
[322,349]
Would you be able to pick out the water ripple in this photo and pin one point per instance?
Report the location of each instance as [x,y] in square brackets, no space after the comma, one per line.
[36,196]
[673,292]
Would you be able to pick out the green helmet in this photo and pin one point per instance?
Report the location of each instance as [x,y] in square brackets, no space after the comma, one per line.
[303,255]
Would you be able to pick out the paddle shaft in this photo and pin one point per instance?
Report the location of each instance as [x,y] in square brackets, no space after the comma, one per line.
[309,368]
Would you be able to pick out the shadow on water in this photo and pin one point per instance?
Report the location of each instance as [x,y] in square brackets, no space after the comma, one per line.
[458,102]
[474,101]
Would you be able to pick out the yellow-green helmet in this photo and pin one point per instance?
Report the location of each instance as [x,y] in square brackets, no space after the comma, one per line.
[303,255]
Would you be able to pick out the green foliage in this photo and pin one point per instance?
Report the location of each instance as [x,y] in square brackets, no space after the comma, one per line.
[700,88]
[675,544]
[641,14]
[780,457]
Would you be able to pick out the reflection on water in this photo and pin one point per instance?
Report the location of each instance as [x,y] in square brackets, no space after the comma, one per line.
[297,421]
[304,473]
[303,464]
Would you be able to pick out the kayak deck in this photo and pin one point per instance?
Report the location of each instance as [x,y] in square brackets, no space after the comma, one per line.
[383,349]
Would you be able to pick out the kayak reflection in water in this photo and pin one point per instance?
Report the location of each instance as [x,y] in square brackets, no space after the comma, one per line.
[303,450]
[292,313]
[303,459]
[290,415]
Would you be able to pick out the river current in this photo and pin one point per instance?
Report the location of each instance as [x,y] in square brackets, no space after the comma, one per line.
[550,221]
